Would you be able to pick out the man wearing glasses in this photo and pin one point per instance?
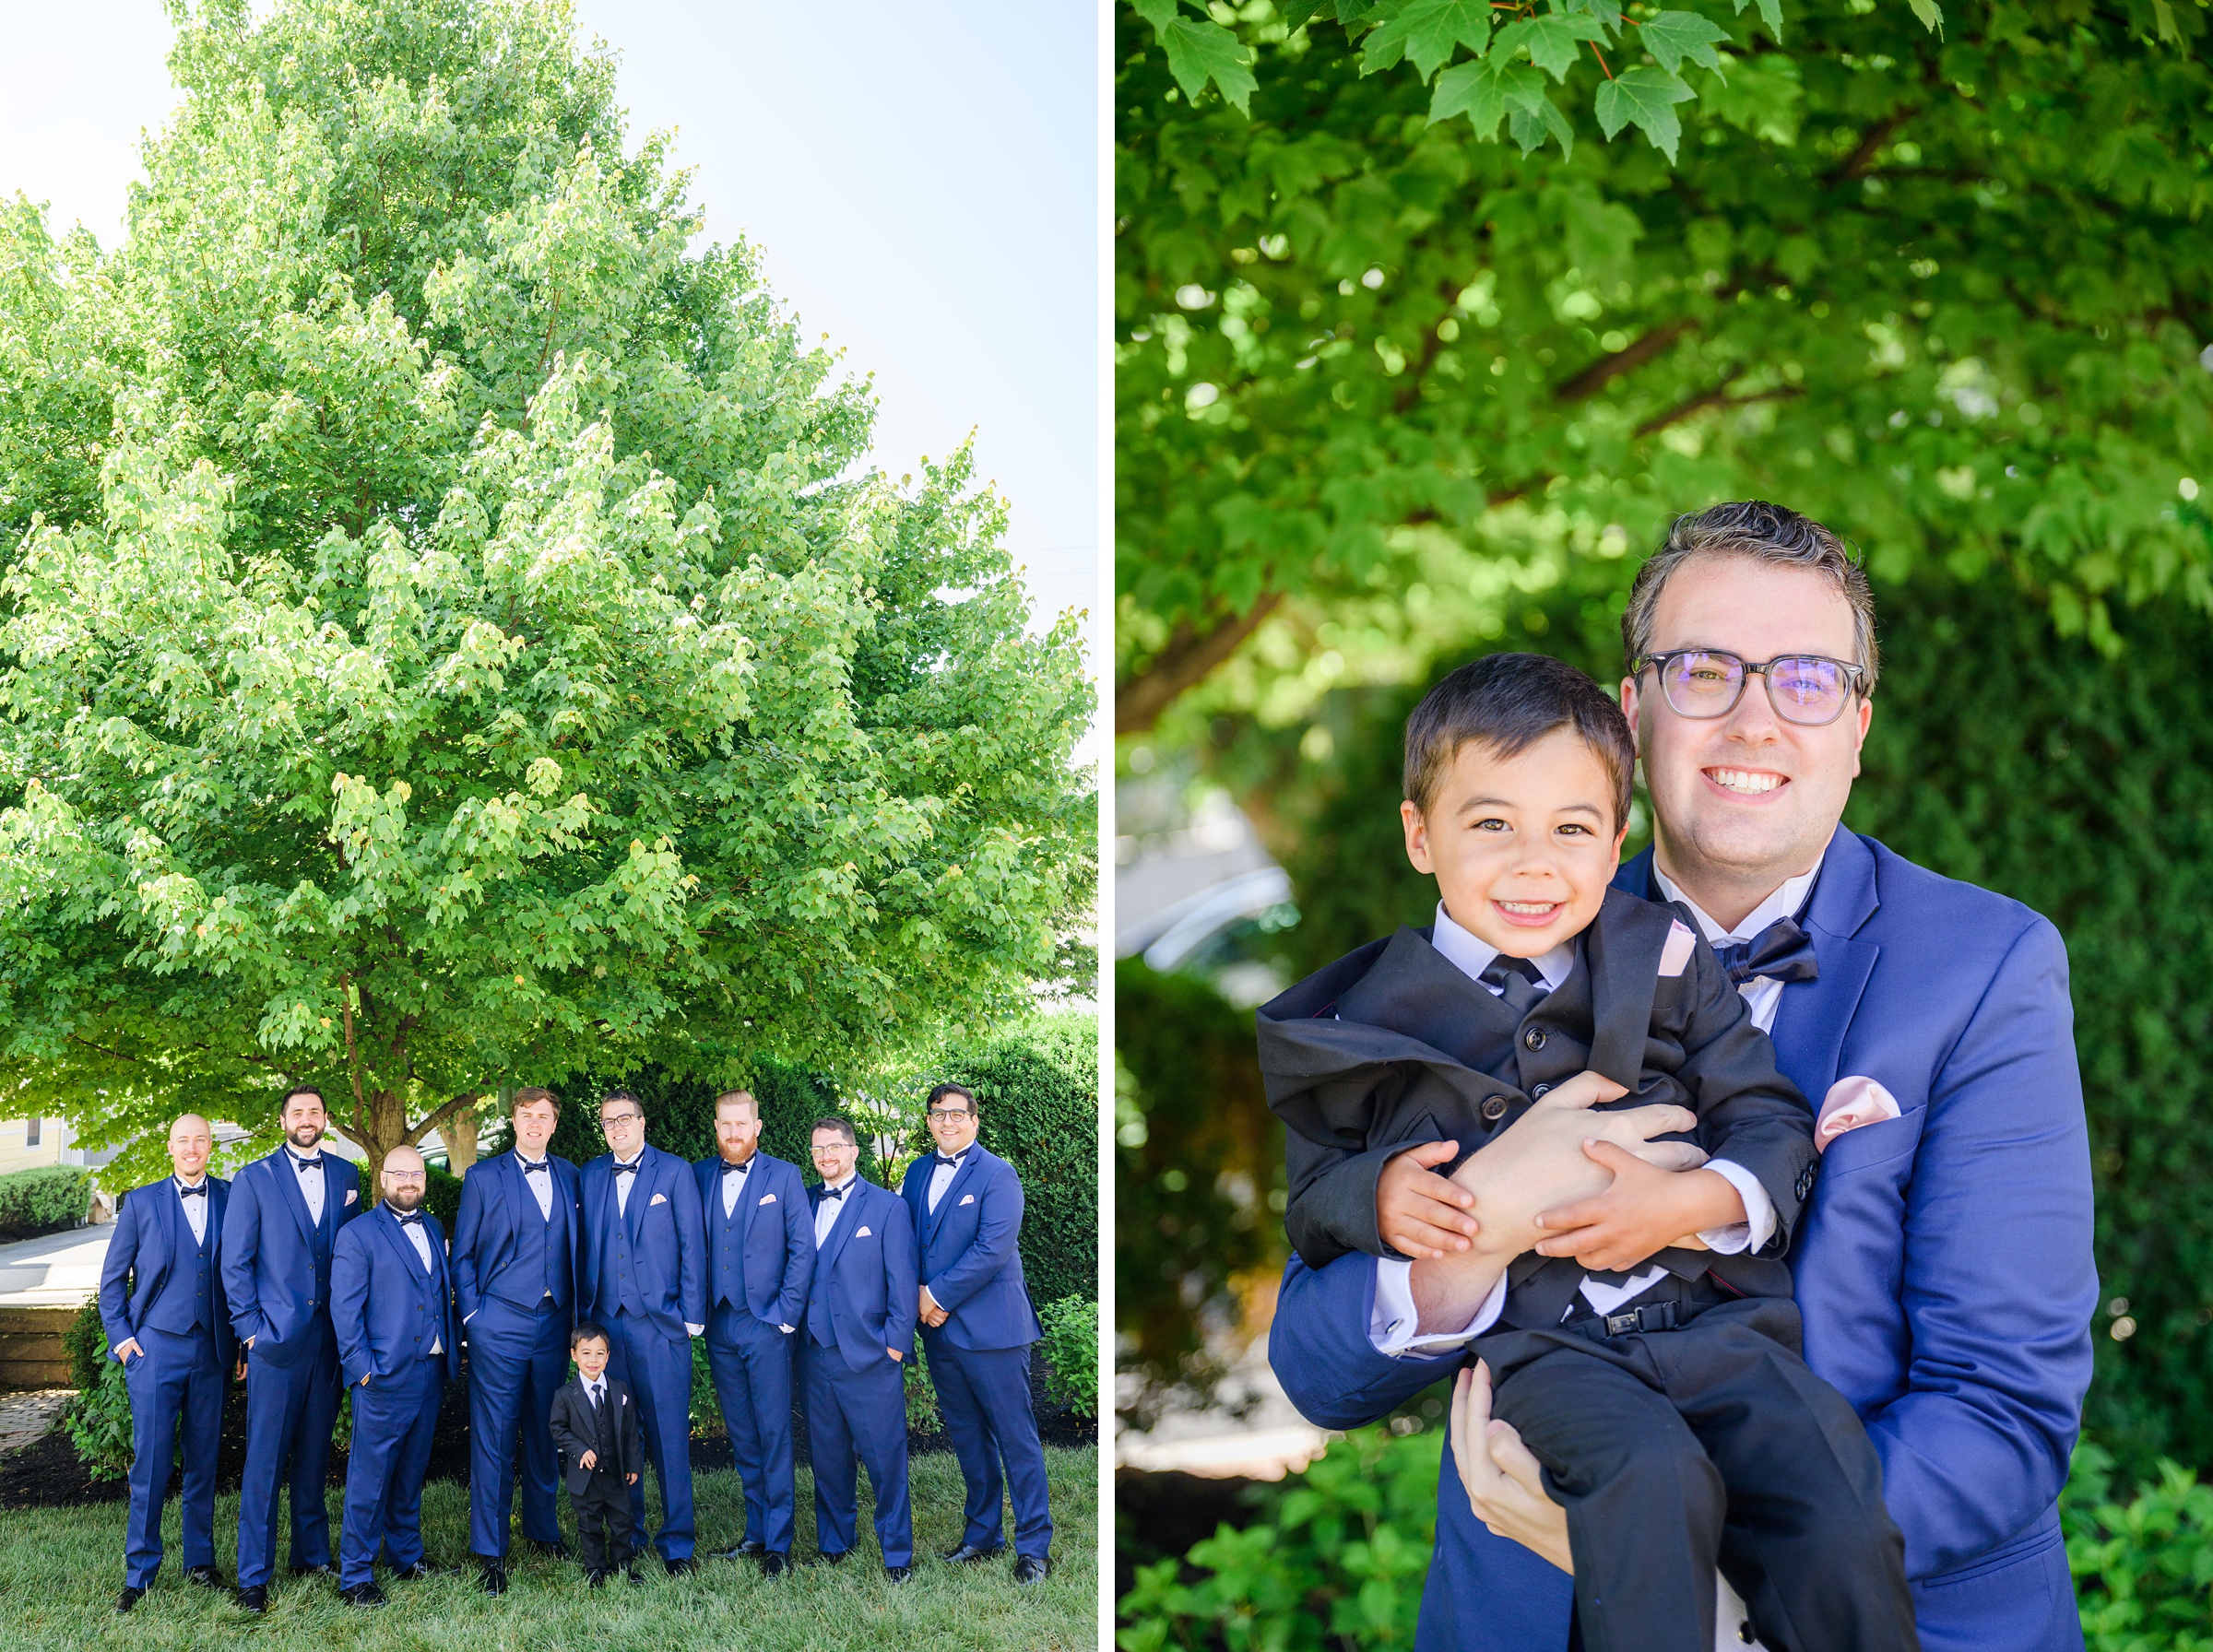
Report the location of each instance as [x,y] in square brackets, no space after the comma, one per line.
[977,1328]
[644,1277]
[1943,1267]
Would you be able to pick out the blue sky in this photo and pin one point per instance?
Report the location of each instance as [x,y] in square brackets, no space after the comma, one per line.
[923,183]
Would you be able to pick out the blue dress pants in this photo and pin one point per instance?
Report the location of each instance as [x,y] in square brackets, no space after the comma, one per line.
[177,1378]
[516,1360]
[291,1411]
[984,1394]
[393,1418]
[858,1415]
[658,1370]
[751,1366]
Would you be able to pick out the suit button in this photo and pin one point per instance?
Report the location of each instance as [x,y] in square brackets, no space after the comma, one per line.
[1494,1108]
[1533,1038]
[1538,1093]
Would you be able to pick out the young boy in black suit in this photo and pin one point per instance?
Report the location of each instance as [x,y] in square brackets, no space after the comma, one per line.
[594,1426]
[1647,1347]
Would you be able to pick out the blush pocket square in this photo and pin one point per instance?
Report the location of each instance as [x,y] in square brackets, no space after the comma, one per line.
[658,1199]
[768,1198]
[1849,1104]
[967,1199]
[861,1233]
[1676,953]
[351,1196]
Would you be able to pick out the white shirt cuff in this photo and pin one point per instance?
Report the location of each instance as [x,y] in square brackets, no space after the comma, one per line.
[697,1330]
[1748,1235]
[1393,1321]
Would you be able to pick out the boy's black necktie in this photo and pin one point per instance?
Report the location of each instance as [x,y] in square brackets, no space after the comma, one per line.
[1516,981]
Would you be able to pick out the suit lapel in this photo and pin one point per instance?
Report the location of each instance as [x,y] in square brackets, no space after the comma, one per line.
[1415,990]
[288,1189]
[641,1193]
[841,1229]
[756,1181]
[1814,1016]
[396,1236]
[961,1177]
[1621,950]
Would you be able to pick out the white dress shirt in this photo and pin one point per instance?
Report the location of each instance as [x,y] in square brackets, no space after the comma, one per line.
[734,1178]
[826,1211]
[419,1237]
[624,1184]
[196,1208]
[311,1181]
[540,1184]
[942,1175]
[1394,1322]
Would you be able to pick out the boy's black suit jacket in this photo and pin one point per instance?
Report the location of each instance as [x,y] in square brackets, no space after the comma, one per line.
[1393,1045]
[573,1434]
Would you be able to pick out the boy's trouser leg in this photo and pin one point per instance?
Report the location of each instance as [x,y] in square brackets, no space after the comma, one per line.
[591,1535]
[1644,1503]
[1808,1543]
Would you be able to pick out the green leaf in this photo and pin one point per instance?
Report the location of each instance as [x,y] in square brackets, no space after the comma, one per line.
[1483,91]
[1645,97]
[2164,15]
[1297,14]
[1532,124]
[1606,11]
[1671,35]
[1551,39]
[1427,33]
[1159,13]
[1930,13]
[1770,13]
[1199,53]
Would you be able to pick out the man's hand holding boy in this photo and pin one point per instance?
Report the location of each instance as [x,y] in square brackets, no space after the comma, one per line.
[1645,1209]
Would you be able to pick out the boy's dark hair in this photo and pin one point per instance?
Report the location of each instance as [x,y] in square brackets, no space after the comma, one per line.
[1508,702]
[586,1332]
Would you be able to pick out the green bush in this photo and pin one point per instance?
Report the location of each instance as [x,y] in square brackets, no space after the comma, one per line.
[44,1201]
[1071,1350]
[2143,1565]
[86,1343]
[922,1410]
[441,1198]
[679,1114]
[98,1422]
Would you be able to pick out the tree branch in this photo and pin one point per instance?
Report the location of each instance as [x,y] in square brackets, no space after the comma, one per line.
[1874,137]
[438,1117]
[1631,357]
[1718,396]
[1184,663]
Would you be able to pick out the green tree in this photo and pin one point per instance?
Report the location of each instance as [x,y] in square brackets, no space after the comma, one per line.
[453,632]
[1944,290]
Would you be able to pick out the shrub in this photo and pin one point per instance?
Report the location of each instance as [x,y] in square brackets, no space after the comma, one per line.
[44,1201]
[922,1412]
[99,1421]
[1071,1350]
[2143,1566]
[86,1343]
[441,1198]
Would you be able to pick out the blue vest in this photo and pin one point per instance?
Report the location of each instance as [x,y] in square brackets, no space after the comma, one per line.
[545,1268]
[202,1278]
[616,1283]
[726,1242]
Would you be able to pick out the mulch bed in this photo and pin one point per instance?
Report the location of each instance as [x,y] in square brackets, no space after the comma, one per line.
[47,1474]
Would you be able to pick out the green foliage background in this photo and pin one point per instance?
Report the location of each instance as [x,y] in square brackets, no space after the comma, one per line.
[42,1201]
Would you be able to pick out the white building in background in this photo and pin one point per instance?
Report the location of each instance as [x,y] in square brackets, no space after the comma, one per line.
[1185,872]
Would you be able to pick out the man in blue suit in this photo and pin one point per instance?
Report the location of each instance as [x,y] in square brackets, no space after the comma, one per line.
[644,1277]
[860,1328]
[279,1230]
[977,1325]
[169,1327]
[399,1344]
[760,1258]
[1943,1267]
[515,1243]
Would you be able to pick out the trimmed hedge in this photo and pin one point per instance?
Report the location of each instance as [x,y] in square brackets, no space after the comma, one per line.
[44,1201]
[679,1114]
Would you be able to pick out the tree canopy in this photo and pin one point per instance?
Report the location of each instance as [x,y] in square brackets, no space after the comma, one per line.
[1942,289]
[453,632]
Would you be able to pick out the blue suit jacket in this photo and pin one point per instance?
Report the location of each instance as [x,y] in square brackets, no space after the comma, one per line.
[153,1241]
[969,1257]
[1943,1267]
[667,1242]
[498,1216]
[275,1286]
[386,1306]
[776,1240]
[864,1275]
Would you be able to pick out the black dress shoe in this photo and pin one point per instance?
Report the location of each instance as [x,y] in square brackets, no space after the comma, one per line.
[492,1577]
[678,1564]
[253,1597]
[596,1578]
[968,1553]
[1032,1568]
[898,1574]
[129,1598]
[631,1572]
[830,1557]
[745,1550]
[558,1547]
[314,1571]
[421,1572]
[207,1578]
[362,1594]
[775,1565]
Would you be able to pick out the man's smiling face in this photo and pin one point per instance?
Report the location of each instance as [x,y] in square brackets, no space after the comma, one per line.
[1748,794]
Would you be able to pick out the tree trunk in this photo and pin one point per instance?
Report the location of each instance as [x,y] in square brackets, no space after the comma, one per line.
[460,1135]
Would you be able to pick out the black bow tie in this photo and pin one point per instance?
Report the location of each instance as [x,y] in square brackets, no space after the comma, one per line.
[1782,952]
[835,1192]
[409,1219]
[531,1170]
[736,1170]
[955,1162]
[626,1170]
[304,1165]
[200,1192]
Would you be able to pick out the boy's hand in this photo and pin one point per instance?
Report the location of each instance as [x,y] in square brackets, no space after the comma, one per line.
[588,1461]
[1645,1210]
[630,1479]
[1419,1213]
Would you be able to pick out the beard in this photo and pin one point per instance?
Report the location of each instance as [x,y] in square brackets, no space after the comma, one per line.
[407,1198]
[304,1136]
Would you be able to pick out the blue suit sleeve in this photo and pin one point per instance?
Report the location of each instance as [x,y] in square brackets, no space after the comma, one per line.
[691,1249]
[123,1251]
[349,1304]
[791,1307]
[468,1223]
[998,1226]
[1320,1351]
[902,1283]
[1999,1286]
[241,1240]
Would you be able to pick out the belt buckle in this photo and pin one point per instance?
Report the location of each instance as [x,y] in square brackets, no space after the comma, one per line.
[1647,1316]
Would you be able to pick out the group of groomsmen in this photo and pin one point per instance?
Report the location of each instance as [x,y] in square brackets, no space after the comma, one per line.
[271,1278]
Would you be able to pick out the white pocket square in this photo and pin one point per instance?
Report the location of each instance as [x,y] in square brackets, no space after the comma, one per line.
[1849,1104]
[768,1198]
[967,1199]
[658,1199]
[351,1196]
[860,1233]
[1676,953]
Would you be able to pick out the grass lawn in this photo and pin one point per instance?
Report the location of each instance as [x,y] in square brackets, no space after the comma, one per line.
[60,1570]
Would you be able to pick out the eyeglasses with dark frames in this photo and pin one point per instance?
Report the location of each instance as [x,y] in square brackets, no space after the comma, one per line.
[1810,690]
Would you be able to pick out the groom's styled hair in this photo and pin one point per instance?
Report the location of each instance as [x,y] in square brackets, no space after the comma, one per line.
[1753,527]
[1505,703]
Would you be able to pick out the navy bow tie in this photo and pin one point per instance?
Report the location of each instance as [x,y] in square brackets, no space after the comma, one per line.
[954,1163]
[531,1170]
[200,1192]
[1782,952]
[626,1170]
[304,1165]
[409,1219]
[736,1170]
[834,1192]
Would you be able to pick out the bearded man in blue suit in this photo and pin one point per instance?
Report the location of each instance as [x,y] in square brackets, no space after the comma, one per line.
[516,1240]
[760,1260]
[399,1344]
[644,1277]
[1943,1267]
[279,1230]
[977,1328]
[161,1305]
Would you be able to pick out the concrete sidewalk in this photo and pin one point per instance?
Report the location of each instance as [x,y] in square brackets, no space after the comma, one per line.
[60,1270]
